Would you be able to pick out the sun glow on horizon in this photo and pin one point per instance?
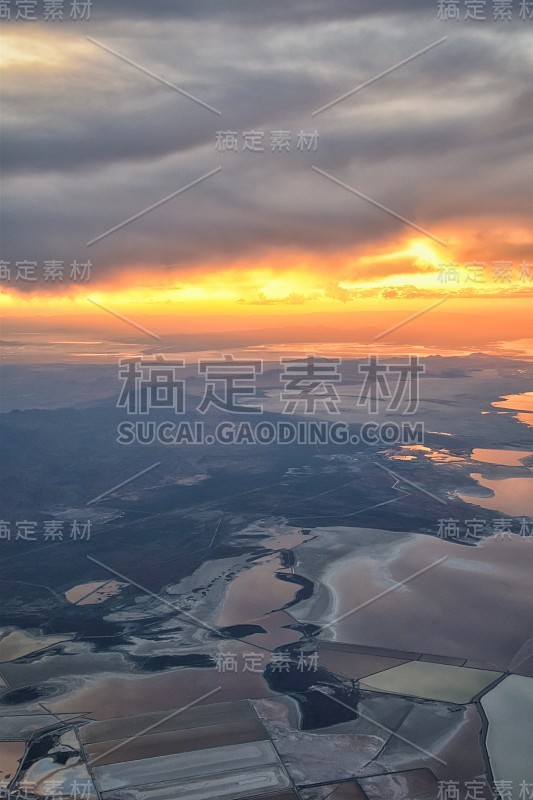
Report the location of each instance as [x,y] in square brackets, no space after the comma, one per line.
[404,275]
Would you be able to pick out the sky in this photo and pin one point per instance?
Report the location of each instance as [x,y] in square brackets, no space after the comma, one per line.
[412,189]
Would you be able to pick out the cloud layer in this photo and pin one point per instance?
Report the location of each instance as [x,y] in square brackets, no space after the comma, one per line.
[90,141]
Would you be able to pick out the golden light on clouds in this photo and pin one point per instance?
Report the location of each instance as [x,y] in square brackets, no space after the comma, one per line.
[90,135]
[410,271]
[24,51]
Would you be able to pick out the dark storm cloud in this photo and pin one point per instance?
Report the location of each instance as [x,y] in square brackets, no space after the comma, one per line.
[269,12]
[163,123]
[94,142]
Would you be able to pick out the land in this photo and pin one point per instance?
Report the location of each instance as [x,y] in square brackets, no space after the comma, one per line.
[189,644]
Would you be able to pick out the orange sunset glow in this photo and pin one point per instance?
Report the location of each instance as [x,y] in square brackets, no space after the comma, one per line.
[266,356]
[266,240]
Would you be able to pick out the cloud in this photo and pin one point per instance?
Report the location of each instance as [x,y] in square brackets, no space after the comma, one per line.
[90,142]
[257,12]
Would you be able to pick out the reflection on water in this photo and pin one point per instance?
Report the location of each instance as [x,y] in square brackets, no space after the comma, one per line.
[521,403]
[87,594]
[46,348]
[260,592]
[506,458]
[409,452]
[254,593]
[513,496]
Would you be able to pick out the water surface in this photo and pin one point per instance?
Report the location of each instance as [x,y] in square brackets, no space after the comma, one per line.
[505,458]
[512,496]
[432,681]
[509,708]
